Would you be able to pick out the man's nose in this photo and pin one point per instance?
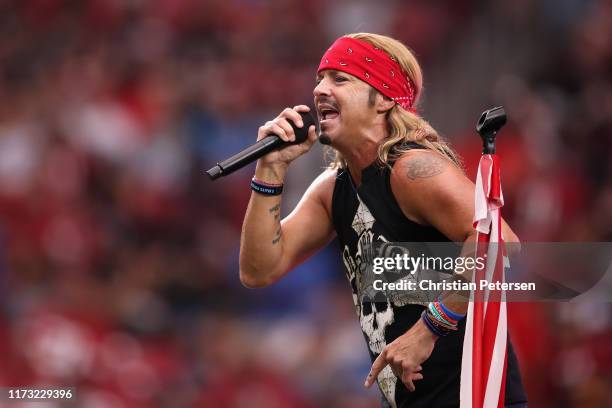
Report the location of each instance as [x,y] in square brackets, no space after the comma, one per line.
[322,89]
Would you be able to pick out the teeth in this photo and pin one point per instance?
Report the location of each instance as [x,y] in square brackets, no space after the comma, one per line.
[325,112]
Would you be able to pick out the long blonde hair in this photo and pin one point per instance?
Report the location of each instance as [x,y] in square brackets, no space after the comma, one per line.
[403,126]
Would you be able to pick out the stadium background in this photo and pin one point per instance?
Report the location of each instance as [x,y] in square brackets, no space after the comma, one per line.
[118,258]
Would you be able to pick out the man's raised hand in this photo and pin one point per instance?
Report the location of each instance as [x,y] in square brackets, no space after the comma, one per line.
[281,127]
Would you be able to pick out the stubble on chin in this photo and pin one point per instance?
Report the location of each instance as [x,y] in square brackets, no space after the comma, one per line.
[324,139]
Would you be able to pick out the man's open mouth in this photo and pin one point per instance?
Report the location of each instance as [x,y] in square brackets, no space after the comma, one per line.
[327,112]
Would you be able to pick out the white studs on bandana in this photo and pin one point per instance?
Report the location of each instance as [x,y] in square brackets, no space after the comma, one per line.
[367,62]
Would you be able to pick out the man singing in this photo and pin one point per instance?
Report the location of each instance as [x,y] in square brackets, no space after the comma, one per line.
[392,180]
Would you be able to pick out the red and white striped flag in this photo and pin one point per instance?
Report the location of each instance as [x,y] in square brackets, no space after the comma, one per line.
[483,368]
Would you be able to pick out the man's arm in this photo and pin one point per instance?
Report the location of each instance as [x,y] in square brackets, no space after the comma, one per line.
[430,191]
[434,192]
[269,247]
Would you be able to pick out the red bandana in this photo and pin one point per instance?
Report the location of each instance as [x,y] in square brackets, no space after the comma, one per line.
[373,66]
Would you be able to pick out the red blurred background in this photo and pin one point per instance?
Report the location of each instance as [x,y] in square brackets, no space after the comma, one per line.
[118,258]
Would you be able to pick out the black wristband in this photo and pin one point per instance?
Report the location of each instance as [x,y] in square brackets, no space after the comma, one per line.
[266,189]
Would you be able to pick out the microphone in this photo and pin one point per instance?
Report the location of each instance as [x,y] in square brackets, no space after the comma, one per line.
[261,148]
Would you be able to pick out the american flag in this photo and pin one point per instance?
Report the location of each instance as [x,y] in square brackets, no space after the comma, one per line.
[483,368]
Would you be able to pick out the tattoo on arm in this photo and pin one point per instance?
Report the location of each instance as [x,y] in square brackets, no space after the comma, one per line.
[277,237]
[275,211]
[424,166]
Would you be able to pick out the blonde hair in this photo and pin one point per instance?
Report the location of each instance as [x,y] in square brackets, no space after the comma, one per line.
[403,126]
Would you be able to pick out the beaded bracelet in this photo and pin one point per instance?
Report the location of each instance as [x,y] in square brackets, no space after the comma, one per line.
[264,188]
[437,330]
[435,313]
[438,323]
[438,309]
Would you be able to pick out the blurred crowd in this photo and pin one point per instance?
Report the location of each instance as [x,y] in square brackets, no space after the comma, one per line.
[118,258]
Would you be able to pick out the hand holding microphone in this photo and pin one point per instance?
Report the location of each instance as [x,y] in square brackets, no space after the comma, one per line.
[292,133]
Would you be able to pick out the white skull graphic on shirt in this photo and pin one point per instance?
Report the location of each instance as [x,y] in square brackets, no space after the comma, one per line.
[374,317]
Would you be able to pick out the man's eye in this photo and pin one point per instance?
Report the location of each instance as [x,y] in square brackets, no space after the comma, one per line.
[340,79]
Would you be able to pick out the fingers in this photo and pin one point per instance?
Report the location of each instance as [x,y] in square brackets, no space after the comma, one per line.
[292,115]
[273,128]
[312,135]
[408,379]
[377,367]
[301,108]
[410,375]
[307,144]
[286,126]
[281,126]
[407,372]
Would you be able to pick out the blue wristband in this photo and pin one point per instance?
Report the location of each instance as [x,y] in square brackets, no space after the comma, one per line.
[266,189]
[449,313]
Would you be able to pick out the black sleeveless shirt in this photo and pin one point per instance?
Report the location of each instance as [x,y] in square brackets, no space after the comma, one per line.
[369,213]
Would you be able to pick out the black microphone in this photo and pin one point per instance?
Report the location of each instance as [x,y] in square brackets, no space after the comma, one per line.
[261,148]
